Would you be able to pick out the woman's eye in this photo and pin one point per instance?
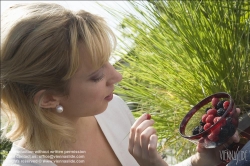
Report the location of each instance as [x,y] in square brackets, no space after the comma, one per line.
[98,78]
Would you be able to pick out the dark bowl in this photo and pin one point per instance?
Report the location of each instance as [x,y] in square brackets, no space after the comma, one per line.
[218,131]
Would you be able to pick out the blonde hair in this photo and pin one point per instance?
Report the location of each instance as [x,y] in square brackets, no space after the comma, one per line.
[39,50]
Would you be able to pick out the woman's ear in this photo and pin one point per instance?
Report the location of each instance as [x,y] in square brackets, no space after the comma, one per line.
[45,99]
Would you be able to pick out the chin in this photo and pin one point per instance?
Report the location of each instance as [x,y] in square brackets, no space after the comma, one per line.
[102,110]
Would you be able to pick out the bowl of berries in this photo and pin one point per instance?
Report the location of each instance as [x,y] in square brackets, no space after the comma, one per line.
[211,122]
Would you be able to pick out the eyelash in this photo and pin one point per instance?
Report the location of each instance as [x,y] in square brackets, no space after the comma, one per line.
[98,79]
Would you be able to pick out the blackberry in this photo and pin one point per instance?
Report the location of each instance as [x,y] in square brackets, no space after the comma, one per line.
[202,123]
[229,120]
[196,130]
[201,129]
[223,132]
[231,129]
[220,104]
[227,131]
[220,111]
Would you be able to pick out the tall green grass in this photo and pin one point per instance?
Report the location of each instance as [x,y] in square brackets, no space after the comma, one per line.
[183,51]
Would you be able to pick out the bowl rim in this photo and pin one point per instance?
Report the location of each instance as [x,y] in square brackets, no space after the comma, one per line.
[195,108]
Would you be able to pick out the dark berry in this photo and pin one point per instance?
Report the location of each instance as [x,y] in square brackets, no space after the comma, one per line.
[223,132]
[196,130]
[220,111]
[201,129]
[220,104]
[229,120]
[202,123]
[231,129]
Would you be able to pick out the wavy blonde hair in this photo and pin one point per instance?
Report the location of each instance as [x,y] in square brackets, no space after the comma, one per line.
[39,50]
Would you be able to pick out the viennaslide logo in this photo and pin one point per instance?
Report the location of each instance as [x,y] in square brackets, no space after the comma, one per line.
[237,155]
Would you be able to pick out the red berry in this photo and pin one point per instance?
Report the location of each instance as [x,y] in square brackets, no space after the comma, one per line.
[222,121]
[207,125]
[212,112]
[225,105]
[215,101]
[216,130]
[210,119]
[213,137]
[204,117]
[148,116]
[216,119]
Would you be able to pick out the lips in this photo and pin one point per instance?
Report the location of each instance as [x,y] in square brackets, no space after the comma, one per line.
[109,97]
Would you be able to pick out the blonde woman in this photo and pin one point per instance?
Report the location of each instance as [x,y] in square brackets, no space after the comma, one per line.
[57,90]
[55,82]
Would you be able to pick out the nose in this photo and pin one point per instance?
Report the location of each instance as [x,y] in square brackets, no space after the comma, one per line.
[114,75]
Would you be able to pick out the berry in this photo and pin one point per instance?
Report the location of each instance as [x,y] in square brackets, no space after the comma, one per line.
[201,129]
[204,117]
[224,132]
[222,121]
[215,101]
[210,119]
[212,112]
[216,119]
[225,105]
[220,111]
[207,109]
[231,130]
[207,126]
[220,104]
[148,116]
[228,120]
[216,130]
[196,130]
[202,123]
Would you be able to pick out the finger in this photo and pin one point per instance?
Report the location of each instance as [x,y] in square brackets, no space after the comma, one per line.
[236,137]
[238,111]
[200,148]
[137,149]
[133,130]
[145,140]
[152,147]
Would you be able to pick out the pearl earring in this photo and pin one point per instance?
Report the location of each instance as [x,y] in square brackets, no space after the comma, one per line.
[59,109]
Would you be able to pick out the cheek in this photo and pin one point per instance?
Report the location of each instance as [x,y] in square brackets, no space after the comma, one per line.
[87,94]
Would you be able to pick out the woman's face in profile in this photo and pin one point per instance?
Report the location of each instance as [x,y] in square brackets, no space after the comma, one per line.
[90,89]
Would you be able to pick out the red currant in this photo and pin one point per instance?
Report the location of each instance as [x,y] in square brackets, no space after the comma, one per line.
[212,112]
[215,101]
[148,116]
[225,105]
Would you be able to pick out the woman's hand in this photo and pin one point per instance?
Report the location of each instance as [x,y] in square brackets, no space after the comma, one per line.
[143,143]
[210,157]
